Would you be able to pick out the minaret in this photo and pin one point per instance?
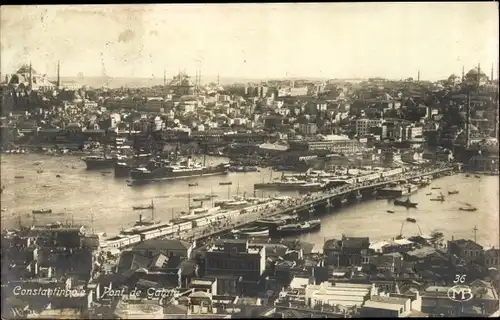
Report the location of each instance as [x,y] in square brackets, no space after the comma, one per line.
[31,76]
[463,74]
[196,80]
[164,77]
[491,76]
[478,74]
[58,83]
[218,78]
[418,76]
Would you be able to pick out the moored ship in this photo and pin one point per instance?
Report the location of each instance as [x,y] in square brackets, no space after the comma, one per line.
[101,162]
[407,203]
[159,170]
[252,231]
[122,167]
[42,211]
[298,228]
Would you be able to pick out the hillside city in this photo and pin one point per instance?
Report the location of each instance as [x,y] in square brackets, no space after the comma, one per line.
[404,126]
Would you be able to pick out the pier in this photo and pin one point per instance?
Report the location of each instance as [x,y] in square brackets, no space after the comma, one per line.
[312,203]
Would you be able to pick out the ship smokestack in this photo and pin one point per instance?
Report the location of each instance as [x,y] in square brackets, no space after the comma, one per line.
[140,218]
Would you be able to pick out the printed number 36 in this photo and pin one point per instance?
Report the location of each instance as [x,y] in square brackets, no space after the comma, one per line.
[459,278]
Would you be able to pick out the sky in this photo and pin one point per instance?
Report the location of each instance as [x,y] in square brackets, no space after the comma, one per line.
[327,40]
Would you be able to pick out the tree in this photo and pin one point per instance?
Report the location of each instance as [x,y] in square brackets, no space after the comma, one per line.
[437,238]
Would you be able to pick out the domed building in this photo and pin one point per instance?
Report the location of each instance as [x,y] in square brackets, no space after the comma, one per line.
[475,77]
[181,84]
[27,77]
[21,90]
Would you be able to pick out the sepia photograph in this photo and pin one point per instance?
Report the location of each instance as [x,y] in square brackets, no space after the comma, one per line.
[250,160]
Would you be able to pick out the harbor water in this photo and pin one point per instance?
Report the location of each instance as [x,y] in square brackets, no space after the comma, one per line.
[98,200]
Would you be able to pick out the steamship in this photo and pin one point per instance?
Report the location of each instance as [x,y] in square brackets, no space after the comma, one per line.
[161,169]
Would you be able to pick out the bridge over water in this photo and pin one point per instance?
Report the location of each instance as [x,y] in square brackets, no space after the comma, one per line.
[317,203]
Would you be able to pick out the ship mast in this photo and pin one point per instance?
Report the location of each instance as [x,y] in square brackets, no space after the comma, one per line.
[152,211]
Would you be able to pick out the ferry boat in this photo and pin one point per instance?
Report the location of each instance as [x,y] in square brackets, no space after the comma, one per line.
[202,199]
[145,222]
[193,184]
[252,231]
[228,183]
[243,169]
[42,211]
[407,203]
[470,209]
[453,192]
[148,207]
[411,220]
[19,177]
[283,184]
[311,186]
[277,221]
[298,228]
[436,188]
[234,204]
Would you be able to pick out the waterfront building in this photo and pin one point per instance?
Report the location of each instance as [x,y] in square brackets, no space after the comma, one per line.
[332,143]
[237,266]
[484,163]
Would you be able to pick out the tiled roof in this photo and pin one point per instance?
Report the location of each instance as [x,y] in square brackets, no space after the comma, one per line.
[163,244]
